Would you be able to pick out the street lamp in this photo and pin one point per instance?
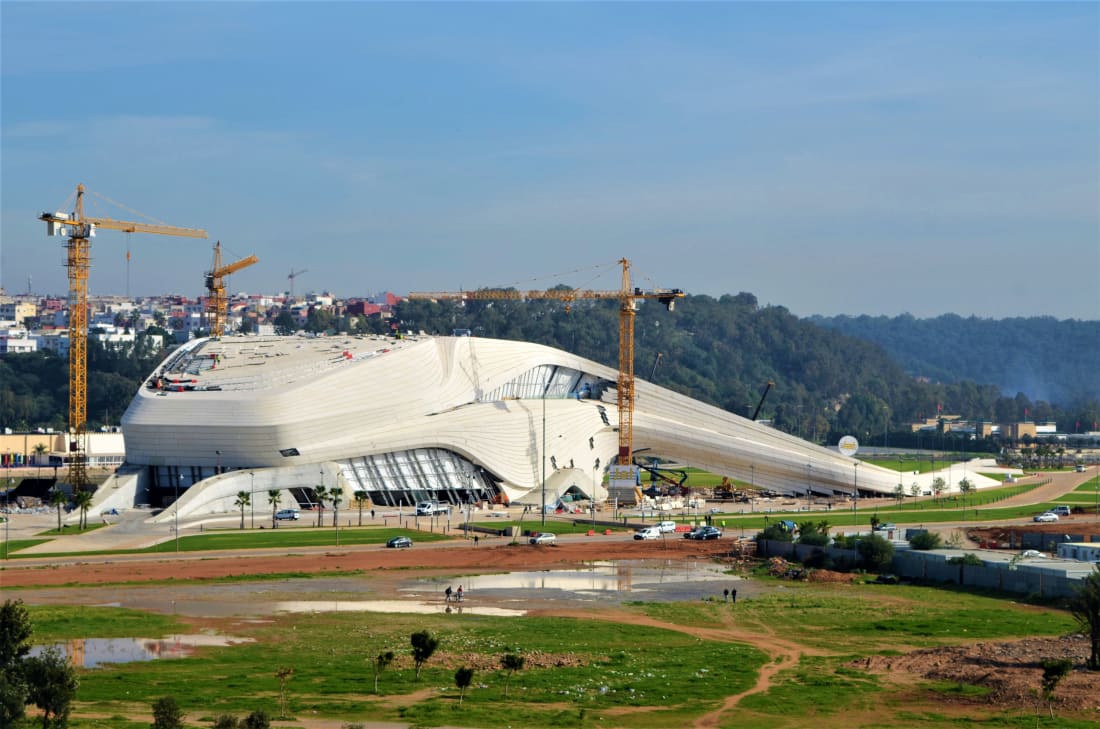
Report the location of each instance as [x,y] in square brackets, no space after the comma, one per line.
[855,487]
[219,468]
[544,456]
[752,482]
[252,500]
[179,478]
[7,516]
[809,484]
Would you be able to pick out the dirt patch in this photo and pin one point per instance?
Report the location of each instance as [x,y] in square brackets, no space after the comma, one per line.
[447,556]
[1011,671]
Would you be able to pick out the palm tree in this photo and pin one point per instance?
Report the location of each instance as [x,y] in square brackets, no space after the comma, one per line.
[243,500]
[274,496]
[57,498]
[322,494]
[39,451]
[334,495]
[83,501]
[361,497]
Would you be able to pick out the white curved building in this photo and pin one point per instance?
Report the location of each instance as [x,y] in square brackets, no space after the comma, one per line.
[452,419]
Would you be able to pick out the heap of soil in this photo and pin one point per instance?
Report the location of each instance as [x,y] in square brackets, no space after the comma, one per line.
[1012,671]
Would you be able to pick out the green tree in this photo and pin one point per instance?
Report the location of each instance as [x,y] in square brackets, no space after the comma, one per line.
[243,500]
[83,501]
[937,486]
[57,500]
[167,714]
[876,551]
[1085,606]
[13,698]
[15,642]
[285,324]
[361,498]
[965,487]
[510,662]
[15,633]
[335,494]
[274,496]
[39,451]
[51,686]
[381,662]
[463,678]
[322,495]
[423,646]
[227,721]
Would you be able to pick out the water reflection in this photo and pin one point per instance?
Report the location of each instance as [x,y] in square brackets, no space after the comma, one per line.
[92,652]
[391,606]
[622,576]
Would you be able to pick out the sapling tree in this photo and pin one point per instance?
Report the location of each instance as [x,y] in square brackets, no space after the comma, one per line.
[1054,670]
[510,662]
[423,646]
[284,675]
[381,662]
[463,678]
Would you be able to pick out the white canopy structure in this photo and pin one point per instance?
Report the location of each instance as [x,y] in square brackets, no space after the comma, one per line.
[452,419]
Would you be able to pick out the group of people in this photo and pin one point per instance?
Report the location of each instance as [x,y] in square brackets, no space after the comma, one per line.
[453,595]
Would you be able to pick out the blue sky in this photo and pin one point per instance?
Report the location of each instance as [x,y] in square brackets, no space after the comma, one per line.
[874,158]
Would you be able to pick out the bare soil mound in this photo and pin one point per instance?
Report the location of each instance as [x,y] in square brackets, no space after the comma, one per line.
[1011,671]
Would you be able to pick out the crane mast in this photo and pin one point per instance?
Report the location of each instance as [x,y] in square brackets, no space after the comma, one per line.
[80,230]
[215,287]
[627,297]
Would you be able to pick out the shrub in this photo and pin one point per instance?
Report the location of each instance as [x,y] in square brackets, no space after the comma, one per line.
[969,559]
[876,551]
[256,720]
[926,541]
[167,714]
[776,533]
[814,539]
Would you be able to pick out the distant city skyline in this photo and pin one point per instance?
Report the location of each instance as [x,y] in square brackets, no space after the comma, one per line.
[831,158]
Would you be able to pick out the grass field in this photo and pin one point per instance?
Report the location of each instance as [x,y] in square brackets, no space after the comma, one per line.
[580,672]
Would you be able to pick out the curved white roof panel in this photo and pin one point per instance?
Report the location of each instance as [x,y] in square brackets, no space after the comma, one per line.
[443,411]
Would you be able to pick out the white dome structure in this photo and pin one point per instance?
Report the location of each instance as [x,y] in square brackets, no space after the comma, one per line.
[450,419]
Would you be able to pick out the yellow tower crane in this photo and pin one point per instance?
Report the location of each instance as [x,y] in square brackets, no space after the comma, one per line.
[215,287]
[80,230]
[627,297]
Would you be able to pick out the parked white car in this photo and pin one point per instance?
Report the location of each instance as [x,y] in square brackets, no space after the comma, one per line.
[650,532]
[1046,516]
[544,538]
[1032,554]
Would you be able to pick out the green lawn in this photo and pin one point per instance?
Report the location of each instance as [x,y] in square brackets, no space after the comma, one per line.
[578,670]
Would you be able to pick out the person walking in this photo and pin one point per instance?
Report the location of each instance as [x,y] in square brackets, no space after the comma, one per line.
[458,595]
[447,593]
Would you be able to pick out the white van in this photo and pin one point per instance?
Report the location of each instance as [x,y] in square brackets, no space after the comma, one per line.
[287,515]
[666,526]
[428,508]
